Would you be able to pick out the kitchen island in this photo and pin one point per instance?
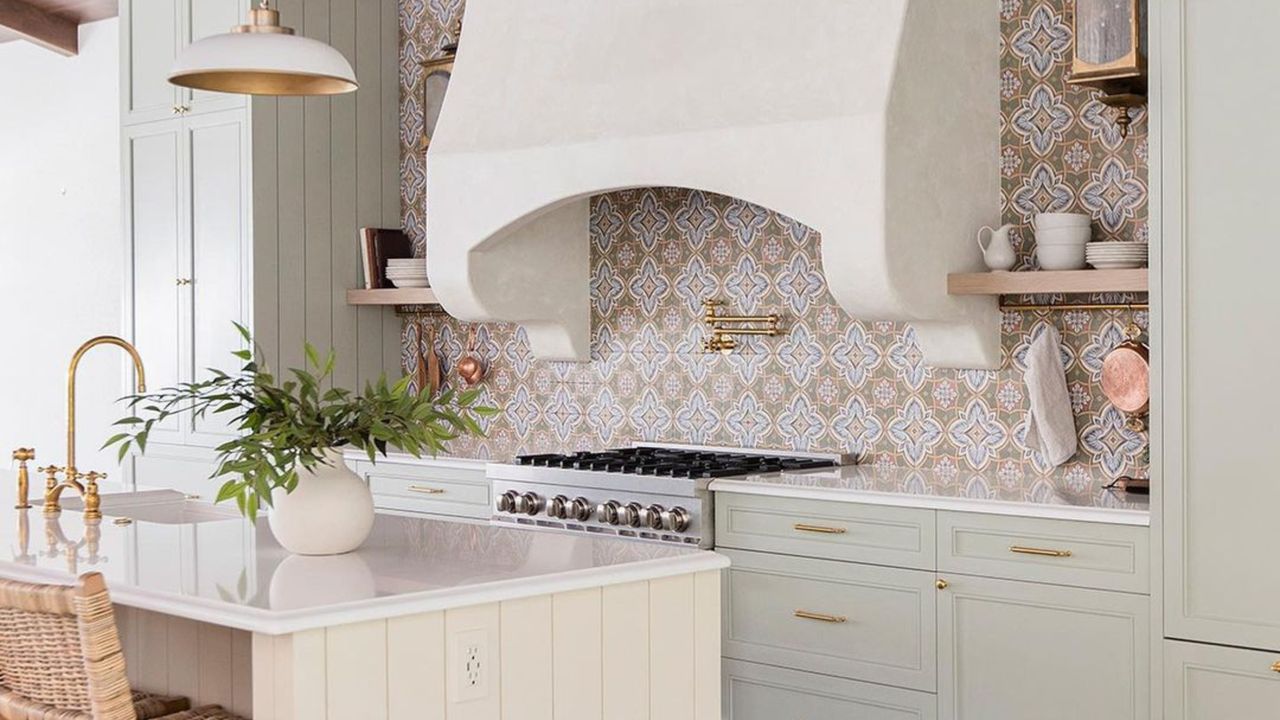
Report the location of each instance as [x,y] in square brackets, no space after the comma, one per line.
[428,619]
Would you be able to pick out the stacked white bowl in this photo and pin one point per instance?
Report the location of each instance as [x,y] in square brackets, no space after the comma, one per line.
[1060,240]
[1116,255]
[408,272]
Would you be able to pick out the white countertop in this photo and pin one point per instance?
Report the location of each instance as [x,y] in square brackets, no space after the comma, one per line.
[223,570]
[964,492]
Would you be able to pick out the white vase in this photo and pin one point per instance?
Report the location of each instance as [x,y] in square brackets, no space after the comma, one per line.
[330,512]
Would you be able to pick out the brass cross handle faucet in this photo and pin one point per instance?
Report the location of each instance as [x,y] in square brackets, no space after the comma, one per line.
[89,490]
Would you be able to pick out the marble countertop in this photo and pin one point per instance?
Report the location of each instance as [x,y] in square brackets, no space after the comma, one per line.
[1051,496]
[216,567]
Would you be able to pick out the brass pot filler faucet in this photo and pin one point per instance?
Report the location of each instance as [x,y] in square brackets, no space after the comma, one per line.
[89,488]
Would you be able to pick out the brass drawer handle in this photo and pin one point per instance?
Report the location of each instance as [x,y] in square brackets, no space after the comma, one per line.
[426,490]
[1275,667]
[1039,551]
[821,529]
[822,617]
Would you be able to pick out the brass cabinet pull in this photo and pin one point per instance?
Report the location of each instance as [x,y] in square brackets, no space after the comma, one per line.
[1039,551]
[942,584]
[426,490]
[1275,667]
[821,529]
[821,617]
[184,281]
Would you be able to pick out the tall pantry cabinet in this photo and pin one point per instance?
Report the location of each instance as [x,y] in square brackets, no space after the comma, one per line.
[245,210]
[1216,166]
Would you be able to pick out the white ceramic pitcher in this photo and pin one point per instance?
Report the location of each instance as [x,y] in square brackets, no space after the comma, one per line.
[998,251]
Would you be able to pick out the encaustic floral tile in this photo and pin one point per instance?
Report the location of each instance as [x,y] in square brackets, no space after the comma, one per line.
[832,383]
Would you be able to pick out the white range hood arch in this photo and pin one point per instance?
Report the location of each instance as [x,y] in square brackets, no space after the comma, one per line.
[874,122]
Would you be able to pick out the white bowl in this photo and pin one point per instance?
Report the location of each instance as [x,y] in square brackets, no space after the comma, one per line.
[1060,257]
[1064,236]
[410,283]
[1056,220]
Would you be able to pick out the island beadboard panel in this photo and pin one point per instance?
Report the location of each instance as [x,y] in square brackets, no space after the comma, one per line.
[832,382]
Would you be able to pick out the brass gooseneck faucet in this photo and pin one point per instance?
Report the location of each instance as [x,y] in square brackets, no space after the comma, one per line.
[88,489]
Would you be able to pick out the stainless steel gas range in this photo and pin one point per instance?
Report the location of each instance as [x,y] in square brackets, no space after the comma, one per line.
[647,491]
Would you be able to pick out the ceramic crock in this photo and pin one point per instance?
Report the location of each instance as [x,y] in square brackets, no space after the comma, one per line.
[330,512]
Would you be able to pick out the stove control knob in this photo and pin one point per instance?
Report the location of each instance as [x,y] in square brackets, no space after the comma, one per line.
[580,509]
[507,501]
[558,507]
[608,512]
[630,515]
[676,519]
[529,504]
[651,517]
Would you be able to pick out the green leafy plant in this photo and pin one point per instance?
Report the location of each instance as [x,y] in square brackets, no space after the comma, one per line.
[288,424]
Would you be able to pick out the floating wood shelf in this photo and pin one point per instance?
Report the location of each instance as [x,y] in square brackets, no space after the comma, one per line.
[1047,282]
[393,296]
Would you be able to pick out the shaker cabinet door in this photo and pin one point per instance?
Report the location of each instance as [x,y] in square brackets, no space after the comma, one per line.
[1218,292]
[1206,682]
[218,154]
[1010,649]
[153,201]
[148,47]
[200,19]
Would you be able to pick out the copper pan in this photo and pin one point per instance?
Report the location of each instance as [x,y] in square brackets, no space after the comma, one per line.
[1126,377]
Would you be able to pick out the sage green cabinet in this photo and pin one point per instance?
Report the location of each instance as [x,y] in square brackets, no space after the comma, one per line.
[152,33]
[763,692]
[1218,179]
[1207,682]
[1009,649]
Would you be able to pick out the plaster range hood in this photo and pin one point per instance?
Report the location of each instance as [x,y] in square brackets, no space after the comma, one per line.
[874,122]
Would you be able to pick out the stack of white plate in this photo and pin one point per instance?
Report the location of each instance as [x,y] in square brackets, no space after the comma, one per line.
[1116,255]
[408,272]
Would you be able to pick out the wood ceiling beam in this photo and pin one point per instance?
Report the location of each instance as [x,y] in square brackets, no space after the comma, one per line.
[42,28]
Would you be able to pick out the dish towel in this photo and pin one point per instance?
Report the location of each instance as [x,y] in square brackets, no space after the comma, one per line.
[1051,427]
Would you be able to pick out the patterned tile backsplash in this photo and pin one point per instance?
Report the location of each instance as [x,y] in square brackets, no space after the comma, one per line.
[832,382]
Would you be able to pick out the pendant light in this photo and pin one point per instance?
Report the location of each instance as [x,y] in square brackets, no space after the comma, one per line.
[263,58]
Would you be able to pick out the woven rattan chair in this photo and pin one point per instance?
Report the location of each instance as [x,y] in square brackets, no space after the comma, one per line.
[60,659]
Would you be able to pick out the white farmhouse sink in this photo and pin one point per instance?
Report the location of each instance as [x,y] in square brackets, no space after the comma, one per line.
[167,507]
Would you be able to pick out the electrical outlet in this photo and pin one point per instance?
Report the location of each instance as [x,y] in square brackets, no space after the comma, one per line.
[472,660]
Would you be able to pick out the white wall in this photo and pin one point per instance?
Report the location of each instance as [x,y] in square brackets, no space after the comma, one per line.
[61,260]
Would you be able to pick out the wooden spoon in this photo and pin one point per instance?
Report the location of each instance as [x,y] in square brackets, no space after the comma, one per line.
[433,363]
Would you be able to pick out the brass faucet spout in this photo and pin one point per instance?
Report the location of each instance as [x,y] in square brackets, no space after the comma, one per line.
[71,389]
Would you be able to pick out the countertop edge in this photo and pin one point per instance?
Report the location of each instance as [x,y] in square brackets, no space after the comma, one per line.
[283,622]
[1113,516]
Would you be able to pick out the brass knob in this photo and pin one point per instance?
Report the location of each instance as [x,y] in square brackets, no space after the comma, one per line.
[1275,667]
[184,281]
[942,584]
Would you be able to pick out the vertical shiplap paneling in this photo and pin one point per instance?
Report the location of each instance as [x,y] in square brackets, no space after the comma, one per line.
[482,623]
[127,627]
[356,674]
[576,617]
[214,665]
[390,150]
[368,168]
[292,173]
[266,227]
[415,667]
[344,250]
[706,645]
[183,666]
[317,148]
[242,673]
[152,659]
[671,648]
[266,676]
[308,682]
[527,670]
[625,648]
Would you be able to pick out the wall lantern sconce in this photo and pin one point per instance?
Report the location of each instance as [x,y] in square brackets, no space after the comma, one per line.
[1111,53]
[436,74]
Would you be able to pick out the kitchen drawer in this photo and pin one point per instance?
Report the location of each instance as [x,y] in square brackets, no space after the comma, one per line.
[1064,552]
[762,692]
[899,537]
[1208,682]
[861,622]
[436,490]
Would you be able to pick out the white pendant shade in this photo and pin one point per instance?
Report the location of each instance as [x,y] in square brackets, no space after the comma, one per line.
[263,59]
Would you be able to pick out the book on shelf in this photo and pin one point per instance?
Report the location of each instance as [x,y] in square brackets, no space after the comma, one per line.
[377,246]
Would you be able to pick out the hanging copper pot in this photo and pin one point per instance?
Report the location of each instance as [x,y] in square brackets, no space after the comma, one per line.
[469,367]
[1126,377]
